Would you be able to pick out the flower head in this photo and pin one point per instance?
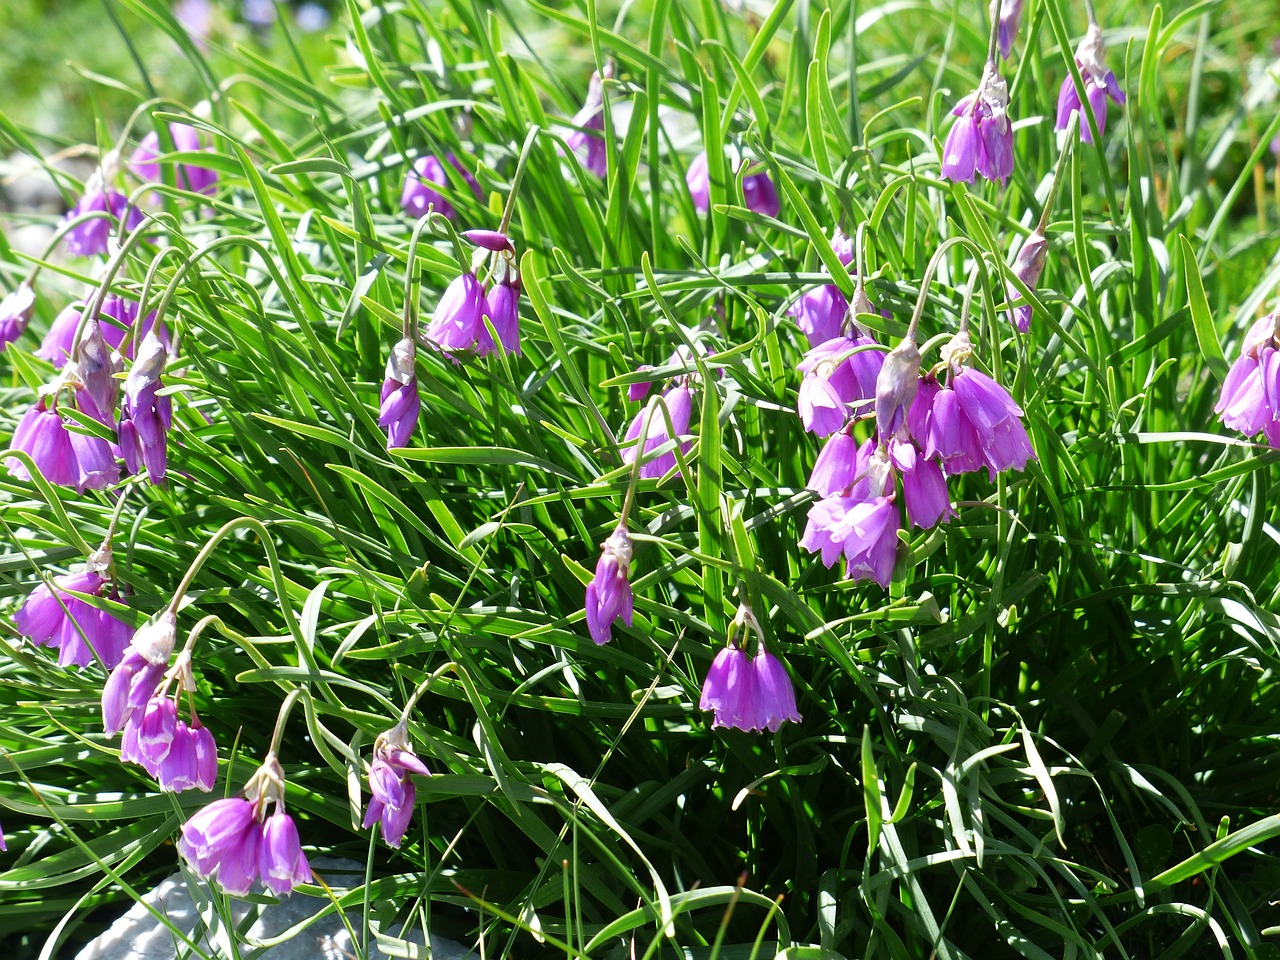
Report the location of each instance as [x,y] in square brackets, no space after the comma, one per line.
[401,403]
[52,617]
[146,415]
[1250,397]
[1099,84]
[392,792]
[134,681]
[110,206]
[63,456]
[748,693]
[865,531]
[458,321]
[428,173]
[186,139]
[981,139]
[609,593]
[15,313]
[235,842]
[116,317]
[758,192]
[502,309]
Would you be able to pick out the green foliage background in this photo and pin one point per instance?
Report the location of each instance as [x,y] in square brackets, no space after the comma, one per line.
[1052,737]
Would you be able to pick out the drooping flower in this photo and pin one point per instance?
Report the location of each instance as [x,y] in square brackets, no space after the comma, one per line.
[428,173]
[679,404]
[972,421]
[186,139]
[748,693]
[758,192]
[1010,18]
[15,313]
[896,387]
[587,138]
[820,313]
[401,402]
[1027,267]
[924,487]
[775,696]
[609,593]
[52,617]
[840,377]
[865,531]
[392,793]
[234,841]
[63,456]
[146,415]
[92,236]
[1099,84]
[179,755]
[981,139]
[458,321]
[502,308]
[134,681]
[1250,397]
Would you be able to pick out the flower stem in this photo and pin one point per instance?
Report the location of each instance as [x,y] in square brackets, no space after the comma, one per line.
[423,687]
[525,150]
[282,717]
[995,34]
[1057,173]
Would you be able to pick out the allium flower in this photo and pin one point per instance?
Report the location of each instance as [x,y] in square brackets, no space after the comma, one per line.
[92,236]
[15,313]
[587,139]
[1250,398]
[401,403]
[1027,267]
[820,313]
[458,321]
[64,457]
[981,139]
[502,308]
[3,846]
[428,173]
[234,841]
[972,422]
[609,593]
[186,139]
[392,792]
[896,387]
[840,463]
[178,755]
[679,403]
[54,618]
[758,192]
[924,487]
[865,531]
[146,415]
[640,389]
[1099,84]
[1010,19]
[840,375]
[747,693]
[134,681]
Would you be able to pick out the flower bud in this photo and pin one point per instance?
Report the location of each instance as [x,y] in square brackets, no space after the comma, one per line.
[896,387]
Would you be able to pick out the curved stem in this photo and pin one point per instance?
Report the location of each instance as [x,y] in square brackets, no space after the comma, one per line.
[282,718]
[928,278]
[653,404]
[422,688]
[1072,124]
[410,321]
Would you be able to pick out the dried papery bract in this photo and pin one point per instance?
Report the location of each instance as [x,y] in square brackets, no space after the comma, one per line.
[146,415]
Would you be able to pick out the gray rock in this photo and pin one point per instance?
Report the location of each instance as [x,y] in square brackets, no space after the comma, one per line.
[193,926]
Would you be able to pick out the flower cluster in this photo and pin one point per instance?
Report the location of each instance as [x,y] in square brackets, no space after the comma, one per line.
[925,430]
[459,321]
[744,692]
[51,616]
[145,162]
[1099,85]
[392,794]
[981,139]
[235,842]
[401,403]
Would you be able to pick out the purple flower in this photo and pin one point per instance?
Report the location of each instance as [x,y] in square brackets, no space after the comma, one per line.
[609,593]
[1007,28]
[116,316]
[864,530]
[401,403]
[15,313]
[92,236]
[1250,397]
[896,387]
[587,139]
[1027,267]
[186,139]
[839,376]
[758,192]
[842,244]
[392,792]
[640,389]
[502,308]
[458,321]
[840,463]
[1099,84]
[234,841]
[820,313]
[924,487]
[189,760]
[981,139]
[420,194]
[95,371]
[54,618]
[195,17]
[63,457]
[679,403]
[748,694]
[135,679]
[698,180]
[146,415]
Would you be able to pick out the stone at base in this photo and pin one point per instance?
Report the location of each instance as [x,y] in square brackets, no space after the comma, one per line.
[139,935]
